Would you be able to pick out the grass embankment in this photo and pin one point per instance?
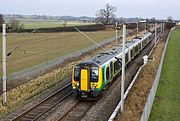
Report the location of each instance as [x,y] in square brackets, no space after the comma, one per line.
[137,97]
[36,48]
[21,94]
[50,24]
[166,105]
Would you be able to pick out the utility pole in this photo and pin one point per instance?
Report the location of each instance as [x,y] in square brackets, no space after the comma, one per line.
[123,68]
[116,33]
[137,27]
[163,27]
[155,34]
[4,64]
[145,26]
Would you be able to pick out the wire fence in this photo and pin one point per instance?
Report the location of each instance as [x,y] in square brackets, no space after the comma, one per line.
[116,111]
[32,55]
[41,68]
[150,99]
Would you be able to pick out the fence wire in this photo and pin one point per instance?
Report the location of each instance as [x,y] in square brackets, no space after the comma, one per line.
[19,62]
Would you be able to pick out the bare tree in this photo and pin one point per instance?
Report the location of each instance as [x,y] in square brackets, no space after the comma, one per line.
[170,19]
[14,24]
[106,16]
[1,19]
[1,22]
[65,23]
[153,20]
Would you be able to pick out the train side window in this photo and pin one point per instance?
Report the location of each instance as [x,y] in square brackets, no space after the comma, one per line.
[132,53]
[117,66]
[107,73]
[143,43]
[111,67]
[94,74]
[76,73]
[139,46]
[136,49]
[126,57]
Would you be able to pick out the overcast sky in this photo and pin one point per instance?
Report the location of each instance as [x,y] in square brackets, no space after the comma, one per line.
[125,8]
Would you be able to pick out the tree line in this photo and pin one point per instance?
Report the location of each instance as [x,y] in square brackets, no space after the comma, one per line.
[104,16]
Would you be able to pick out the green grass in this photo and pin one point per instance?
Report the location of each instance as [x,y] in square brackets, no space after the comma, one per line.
[166,106]
[40,47]
[49,24]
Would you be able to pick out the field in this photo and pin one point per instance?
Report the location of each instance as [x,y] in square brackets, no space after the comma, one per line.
[50,24]
[166,106]
[35,48]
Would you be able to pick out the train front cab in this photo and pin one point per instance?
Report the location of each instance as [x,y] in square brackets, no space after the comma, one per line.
[86,81]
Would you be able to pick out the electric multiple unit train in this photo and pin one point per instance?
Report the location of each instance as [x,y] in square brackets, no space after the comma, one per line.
[91,76]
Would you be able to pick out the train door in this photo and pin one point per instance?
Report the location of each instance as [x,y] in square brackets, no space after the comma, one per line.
[84,80]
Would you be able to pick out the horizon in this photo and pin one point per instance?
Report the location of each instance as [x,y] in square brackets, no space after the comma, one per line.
[79,16]
[78,8]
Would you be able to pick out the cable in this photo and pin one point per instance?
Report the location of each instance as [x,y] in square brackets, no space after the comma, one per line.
[97,44]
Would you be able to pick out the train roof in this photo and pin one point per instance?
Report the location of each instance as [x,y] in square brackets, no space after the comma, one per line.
[101,58]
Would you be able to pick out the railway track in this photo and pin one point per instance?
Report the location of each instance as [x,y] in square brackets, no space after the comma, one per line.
[45,105]
[77,112]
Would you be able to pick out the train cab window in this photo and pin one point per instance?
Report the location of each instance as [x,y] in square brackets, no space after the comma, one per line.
[94,74]
[76,73]
[107,73]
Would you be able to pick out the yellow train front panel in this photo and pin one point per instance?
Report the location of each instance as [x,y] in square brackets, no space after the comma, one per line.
[84,80]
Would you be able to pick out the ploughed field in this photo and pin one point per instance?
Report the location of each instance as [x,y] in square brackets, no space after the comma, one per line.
[34,48]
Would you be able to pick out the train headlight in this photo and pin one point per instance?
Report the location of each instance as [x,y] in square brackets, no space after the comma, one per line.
[93,86]
[76,84]
[96,85]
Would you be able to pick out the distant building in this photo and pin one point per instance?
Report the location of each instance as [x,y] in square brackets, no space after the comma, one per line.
[144,21]
[177,23]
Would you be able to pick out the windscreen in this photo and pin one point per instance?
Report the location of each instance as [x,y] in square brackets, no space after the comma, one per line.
[94,74]
[76,73]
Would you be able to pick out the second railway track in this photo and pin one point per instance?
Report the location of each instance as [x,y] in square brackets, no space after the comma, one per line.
[45,105]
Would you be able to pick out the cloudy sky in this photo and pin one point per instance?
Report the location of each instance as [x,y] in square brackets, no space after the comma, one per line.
[125,8]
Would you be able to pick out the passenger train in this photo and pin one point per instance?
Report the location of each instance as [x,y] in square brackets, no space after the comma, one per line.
[91,76]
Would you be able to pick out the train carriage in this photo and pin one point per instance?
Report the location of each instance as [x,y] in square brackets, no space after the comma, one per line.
[91,76]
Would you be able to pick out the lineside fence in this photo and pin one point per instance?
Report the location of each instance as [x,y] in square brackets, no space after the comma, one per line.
[43,67]
[150,99]
[116,111]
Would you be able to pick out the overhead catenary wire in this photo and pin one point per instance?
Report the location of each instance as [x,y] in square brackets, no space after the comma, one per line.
[90,39]
[16,48]
[119,59]
[24,42]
